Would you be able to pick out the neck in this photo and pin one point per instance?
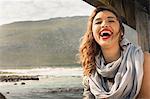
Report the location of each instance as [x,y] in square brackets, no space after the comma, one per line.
[111,54]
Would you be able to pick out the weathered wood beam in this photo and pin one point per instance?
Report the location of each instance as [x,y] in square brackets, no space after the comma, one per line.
[94,3]
[142,26]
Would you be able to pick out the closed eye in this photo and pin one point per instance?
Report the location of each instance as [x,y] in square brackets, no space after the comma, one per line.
[98,22]
[111,21]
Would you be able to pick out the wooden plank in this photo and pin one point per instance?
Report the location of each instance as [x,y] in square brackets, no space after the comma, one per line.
[143,27]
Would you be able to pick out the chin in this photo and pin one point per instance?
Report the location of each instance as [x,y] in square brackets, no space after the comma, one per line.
[106,45]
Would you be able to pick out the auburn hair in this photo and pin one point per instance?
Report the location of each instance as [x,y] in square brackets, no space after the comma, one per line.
[89,48]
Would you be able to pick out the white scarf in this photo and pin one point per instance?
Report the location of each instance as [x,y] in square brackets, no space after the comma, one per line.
[127,73]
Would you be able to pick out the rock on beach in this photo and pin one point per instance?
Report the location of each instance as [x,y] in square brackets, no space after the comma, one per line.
[16,78]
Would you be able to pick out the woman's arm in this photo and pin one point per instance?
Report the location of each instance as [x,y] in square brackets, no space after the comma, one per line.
[145,88]
[86,93]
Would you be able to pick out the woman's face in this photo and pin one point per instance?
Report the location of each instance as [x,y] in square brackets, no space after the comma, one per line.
[106,29]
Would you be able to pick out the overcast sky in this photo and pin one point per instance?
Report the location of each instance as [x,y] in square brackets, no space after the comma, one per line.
[21,10]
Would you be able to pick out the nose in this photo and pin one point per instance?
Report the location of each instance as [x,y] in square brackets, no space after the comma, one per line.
[104,24]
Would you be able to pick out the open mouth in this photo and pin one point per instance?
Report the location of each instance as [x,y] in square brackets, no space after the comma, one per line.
[105,34]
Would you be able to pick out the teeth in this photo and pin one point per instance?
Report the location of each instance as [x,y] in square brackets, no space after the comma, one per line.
[105,33]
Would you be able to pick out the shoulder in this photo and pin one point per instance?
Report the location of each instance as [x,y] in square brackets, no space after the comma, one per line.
[145,88]
[146,62]
[146,57]
[146,66]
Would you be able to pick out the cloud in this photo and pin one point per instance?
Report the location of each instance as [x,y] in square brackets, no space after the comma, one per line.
[17,10]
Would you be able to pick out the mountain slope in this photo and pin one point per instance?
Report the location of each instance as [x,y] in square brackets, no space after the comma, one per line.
[39,43]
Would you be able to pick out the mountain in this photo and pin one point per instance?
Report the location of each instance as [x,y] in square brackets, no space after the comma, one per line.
[41,43]
[52,42]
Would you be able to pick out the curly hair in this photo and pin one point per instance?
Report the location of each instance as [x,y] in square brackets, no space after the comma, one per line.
[89,48]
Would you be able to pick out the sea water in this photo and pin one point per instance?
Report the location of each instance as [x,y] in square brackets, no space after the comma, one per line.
[53,83]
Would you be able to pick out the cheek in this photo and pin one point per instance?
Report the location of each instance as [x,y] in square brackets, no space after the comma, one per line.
[95,30]
[117,36]
[116,28]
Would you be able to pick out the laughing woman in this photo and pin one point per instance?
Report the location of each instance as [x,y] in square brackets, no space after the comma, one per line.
[113,67]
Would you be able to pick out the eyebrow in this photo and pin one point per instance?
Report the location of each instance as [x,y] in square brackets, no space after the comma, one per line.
[109,17]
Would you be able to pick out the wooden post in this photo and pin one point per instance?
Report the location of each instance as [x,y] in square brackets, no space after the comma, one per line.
[142,27]
[135,14]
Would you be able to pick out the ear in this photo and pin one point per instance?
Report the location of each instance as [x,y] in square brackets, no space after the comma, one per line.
[122,34]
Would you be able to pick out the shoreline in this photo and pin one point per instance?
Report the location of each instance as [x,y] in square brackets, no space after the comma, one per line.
[53,71]
[45,83]
[47,87]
